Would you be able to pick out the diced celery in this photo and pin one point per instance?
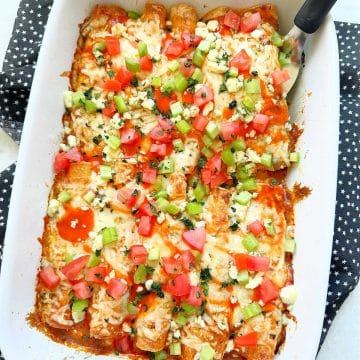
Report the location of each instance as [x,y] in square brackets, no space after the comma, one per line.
[287,46]
[198,57]
[68,258]
[93,261]
[199,192]
[99,46]
[156,81]
[132,64]
[294,157]
[90,106]
[248,103]
[180,83]
[249,184]
[207,152]
[251,310]
[89,196]
[194,208]
[204,46]
[207,352]
[243,277]
[243,198]
[114,142]
[176,108]
[159,183]
[250,242]
[178,145]
[64,196]
[238,144]
[105,172]
[269,227]
[109,235]
[189,309]
[132,309]
[78,98]
[208,141]
[289,246]
[154,254]
[168,87]
[183,126]
[284,59]
[243,173]
[233,72]
[161,194]
[172,209]
[266,160]
[120,104]
[197,75]
[142,49]
[252,86]
[181,319]
[227,157]
[173,65]
[133,14]
[162,204]
[277,39]
[140,274]
[160,355]
[175,348]
[79,305]
[212,130]
[166,166]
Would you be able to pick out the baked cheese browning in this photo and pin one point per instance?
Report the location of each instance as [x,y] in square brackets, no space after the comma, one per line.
[169,230]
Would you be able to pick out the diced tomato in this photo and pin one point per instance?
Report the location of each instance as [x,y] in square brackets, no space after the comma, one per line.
[200,122]
[128,197]
[187,68]
[129,135]
[179,286]
[138,254]
[120,17]
[232,20]
[145,225]
[224,30]
[190,40]
[49,278]
[227,113]
[109,110]
[252,263]
[188,261]
[82,290]
[248,340]
[203,96]
[218,179]
[149,175]
[96,274]
[158,149]
[195,238]
[61,162]
[145,63]
[159,134]
[230,130]
[73,269]
[241,61]
[172,48]
[256,227]
[279,77]
[195,297]
[74,154]
[163,101]
[165,123]
[187,97]
[112,45]
[250,23]
[146,209]
[116,288]
[266,291]
[260,122]
[214,163]
[112,85]
[123,344]
[206,176]
[124,76]
[171,265]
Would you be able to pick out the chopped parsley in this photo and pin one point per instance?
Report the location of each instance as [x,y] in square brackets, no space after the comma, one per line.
[138,177]
[205,274]
[234,226]
[201,163]
[156,287]
[225,284]
[233,104]
[111,73]
[223,88]
[88,93]
[97,139]
[188,223]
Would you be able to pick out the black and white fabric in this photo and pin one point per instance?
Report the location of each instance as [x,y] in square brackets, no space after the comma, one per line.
[15,83]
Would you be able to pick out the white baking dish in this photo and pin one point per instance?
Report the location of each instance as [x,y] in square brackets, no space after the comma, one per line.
[40,139]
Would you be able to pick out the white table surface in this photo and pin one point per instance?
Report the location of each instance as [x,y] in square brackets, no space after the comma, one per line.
[343,339]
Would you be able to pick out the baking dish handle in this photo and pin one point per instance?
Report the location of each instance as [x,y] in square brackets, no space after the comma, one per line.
[312,13]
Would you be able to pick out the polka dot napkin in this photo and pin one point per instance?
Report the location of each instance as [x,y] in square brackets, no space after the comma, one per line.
[15,82]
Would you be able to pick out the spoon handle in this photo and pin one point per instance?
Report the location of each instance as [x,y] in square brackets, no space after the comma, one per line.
[312,13]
